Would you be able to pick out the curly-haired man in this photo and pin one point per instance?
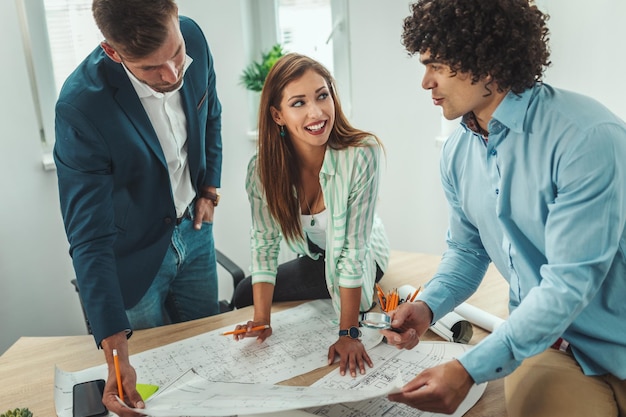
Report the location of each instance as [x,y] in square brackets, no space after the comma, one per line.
[536,183]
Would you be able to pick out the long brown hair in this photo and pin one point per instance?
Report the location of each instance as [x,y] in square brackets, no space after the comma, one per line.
[277,162]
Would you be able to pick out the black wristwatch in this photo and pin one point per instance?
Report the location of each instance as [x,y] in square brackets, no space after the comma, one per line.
[353,332]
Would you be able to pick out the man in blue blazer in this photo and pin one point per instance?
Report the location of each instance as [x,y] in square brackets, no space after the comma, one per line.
[138,156]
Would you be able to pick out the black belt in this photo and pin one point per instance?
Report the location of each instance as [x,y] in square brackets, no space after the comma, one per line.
[185,215]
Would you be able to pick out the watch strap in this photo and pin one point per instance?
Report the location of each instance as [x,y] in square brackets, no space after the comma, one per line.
[214,197]
[353,332]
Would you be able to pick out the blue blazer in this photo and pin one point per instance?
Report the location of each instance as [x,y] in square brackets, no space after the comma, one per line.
[114,187]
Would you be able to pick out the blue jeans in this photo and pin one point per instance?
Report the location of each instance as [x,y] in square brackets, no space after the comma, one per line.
[185,288]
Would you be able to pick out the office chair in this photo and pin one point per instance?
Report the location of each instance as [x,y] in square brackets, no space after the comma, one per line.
[225,305]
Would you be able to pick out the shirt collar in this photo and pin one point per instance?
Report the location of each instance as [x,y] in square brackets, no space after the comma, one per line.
[511,113]
[142,88]
[469,122]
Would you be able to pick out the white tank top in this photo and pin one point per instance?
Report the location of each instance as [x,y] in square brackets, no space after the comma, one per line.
[314,226]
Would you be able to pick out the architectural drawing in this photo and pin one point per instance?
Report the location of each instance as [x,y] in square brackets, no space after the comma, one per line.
[390,363]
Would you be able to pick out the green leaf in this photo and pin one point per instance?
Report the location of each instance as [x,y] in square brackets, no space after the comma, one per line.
[18,412]
[253,76]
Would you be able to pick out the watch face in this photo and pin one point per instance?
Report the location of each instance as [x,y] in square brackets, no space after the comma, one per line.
[354,332]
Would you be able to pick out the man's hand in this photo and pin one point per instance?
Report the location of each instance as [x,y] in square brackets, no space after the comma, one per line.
[204,210]
[132,398]
[351,353]
[440,389]
[409,322]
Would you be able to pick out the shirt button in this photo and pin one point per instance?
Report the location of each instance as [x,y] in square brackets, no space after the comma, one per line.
[498,369]
[494,152]
[497,191]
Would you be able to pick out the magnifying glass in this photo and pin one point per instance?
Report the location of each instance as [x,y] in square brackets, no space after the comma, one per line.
[376,321]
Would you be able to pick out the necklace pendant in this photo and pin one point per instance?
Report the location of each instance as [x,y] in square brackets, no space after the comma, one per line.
[312,221]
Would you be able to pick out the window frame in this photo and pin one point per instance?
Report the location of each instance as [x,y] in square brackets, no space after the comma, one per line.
[38,56]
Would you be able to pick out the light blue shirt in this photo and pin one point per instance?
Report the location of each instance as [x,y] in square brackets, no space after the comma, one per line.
[545,200]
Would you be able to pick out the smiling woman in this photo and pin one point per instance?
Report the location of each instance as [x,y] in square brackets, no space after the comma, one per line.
[314,181]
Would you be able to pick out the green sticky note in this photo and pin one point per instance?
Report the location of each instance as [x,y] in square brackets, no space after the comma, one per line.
[146,390]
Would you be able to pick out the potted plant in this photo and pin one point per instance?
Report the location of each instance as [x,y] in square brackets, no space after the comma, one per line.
[18,412]
[253,75]
[253,78]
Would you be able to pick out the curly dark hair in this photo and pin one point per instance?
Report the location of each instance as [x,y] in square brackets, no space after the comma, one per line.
[507,39]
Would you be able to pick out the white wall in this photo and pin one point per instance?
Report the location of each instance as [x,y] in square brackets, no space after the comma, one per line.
[35,269]
[587,49]
[388,100]
[222,23]
[36,297]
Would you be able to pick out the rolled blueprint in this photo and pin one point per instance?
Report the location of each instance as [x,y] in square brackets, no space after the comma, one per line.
[479,317]
[456,326]
[453,328]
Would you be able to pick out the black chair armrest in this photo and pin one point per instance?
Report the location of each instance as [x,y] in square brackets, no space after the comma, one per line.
[232,268]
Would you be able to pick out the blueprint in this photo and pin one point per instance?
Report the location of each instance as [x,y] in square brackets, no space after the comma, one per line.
[333,396]
[393,364]
[299,344]
[191,395]
[214,375]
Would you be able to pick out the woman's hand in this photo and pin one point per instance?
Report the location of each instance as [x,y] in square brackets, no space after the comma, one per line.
[260,335]
[351,353]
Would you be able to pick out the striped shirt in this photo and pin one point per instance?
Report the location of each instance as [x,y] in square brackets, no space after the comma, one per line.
[355,237]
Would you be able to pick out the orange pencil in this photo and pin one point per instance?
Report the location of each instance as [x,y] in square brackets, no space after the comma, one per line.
[240,331]
[118,375]
[415,294]
[381,301]
[388,303]
[381,296]
[394,300]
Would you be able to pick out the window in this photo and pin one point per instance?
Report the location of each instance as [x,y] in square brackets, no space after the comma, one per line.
[72,33]
[305,26]
[67,28]
[317,28]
